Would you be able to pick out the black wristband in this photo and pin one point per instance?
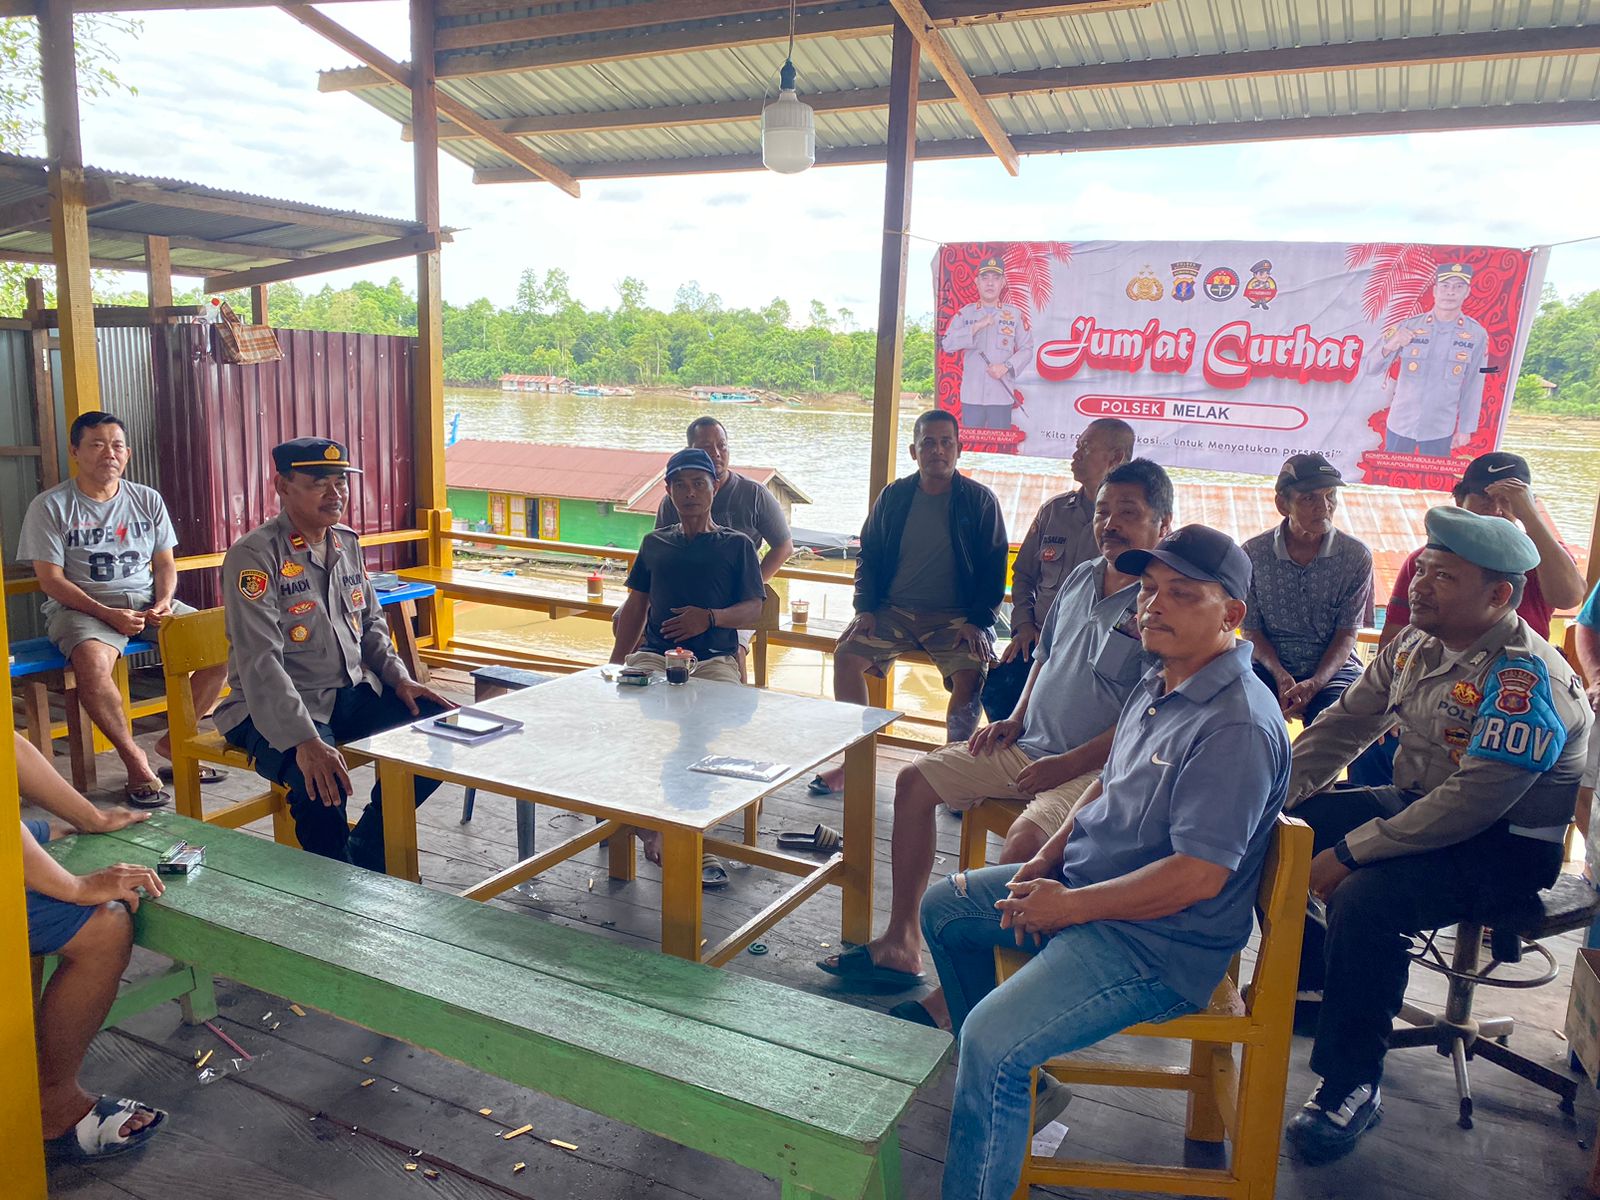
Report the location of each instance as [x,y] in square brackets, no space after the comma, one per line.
[711,615]
[1342,853]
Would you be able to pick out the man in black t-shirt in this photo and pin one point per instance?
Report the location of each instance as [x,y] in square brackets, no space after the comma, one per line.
[694,584]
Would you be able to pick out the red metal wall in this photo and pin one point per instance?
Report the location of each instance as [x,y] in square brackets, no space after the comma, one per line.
[219,421]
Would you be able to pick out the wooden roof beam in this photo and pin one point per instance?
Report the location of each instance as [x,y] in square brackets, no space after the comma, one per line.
[27,8]
[938,50]
[102,264]
[337,260]
[1501,116]
[516,151]
[1390,52]
[149,193]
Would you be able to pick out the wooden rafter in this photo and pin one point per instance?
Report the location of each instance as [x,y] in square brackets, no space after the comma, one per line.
[955,75]
[149,193]
[516,151]
[1503,116]
[27,8]
[1389,52]
[337,260]
[101,264]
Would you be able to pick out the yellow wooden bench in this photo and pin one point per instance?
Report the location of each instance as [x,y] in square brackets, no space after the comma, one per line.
[191,643]
[1237,1101]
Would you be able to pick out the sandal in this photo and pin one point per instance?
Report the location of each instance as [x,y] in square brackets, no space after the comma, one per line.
[855,966]
[99,1133]
[713,872]
[819,787]
[149,794]
[824,839]
[208,774]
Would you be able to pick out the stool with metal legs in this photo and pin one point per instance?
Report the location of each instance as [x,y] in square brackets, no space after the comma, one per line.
[487,683]
[1514,932]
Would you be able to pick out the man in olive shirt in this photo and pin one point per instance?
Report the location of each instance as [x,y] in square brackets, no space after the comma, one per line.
[1060,538]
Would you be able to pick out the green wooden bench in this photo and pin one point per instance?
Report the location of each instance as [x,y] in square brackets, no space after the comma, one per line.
[796,1086]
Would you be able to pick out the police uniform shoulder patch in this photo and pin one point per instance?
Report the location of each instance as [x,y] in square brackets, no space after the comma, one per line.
[1517,722]
[253,584]
[299,633]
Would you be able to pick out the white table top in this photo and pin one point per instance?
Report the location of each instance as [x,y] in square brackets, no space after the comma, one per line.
[625,751]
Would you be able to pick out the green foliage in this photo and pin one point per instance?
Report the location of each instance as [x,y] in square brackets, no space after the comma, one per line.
[1563,349]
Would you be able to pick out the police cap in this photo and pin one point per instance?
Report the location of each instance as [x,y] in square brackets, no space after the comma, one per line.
[316,455]
[1492,543]
[992,266]
[1455,270]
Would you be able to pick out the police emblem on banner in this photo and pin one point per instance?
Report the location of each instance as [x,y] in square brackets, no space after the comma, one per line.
[1145,286]
[1184,275]
[1262,288]
[1222,283]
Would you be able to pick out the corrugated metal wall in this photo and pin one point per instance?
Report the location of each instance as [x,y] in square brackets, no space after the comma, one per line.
[219,422]
[19,475]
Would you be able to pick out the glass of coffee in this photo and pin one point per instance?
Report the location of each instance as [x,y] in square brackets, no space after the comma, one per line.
[680,663]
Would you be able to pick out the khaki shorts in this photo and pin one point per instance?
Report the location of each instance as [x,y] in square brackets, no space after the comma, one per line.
[68,628]
[896,631]
[723,667]
[965,780]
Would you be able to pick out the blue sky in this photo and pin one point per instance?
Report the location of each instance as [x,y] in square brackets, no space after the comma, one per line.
[229,98]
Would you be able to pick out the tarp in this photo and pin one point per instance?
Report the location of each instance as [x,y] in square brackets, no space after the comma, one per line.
[1396,361]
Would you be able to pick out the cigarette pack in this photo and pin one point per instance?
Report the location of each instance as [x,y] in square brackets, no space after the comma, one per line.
[181,859]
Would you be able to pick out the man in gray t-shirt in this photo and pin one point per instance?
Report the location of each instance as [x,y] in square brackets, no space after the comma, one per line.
[102,547]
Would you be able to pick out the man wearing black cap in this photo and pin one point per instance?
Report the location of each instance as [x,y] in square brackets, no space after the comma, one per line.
[310,663]
[995,344]
[1492,726]
[1499,484]
[1310,592]
[694,585]
[1436,397]
[1146,893]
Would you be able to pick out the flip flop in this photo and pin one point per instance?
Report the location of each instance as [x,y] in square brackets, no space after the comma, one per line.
[855,966]
[819,787]
[913,1011]
[713,873]
[144,795]
[99,1134]
[822,839]
[208,774]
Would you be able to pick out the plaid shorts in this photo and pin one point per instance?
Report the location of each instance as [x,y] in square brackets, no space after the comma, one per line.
[897,631]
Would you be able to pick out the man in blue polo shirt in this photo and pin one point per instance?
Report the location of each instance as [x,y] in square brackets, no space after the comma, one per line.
[1137,904]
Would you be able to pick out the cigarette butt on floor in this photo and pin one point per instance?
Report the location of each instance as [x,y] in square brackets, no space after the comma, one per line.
[519,1168]
[484,1112]
[203,1059]
[517,1132]
[366,1060]
[267,1017]
[368,1082]
[824,945]
[275,1024]
[297,1010]
[430,1173]
[591,883]
[411,1166]
[562,1145]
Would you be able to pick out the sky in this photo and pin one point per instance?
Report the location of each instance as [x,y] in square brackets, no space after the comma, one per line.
[229,98]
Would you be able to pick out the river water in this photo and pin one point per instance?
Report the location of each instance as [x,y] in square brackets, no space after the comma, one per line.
[825,452]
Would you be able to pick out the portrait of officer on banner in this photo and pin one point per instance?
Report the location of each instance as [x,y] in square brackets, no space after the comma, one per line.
[995,344]
[1431,366]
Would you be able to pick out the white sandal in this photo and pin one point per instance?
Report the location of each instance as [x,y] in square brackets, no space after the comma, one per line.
[99,1133]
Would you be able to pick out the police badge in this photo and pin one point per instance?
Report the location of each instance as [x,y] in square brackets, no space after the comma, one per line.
[1183,276]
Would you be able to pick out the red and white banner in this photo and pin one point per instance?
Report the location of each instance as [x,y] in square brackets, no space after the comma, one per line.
[1396,361]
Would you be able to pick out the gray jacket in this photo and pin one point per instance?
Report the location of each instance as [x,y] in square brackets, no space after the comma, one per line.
[1501,733]
[298,633]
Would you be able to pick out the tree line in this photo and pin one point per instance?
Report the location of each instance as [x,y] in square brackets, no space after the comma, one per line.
[1561,368]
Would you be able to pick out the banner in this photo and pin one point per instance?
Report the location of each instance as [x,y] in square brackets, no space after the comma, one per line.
[1396,361]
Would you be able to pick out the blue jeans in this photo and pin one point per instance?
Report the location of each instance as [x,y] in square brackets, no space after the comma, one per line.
[1398,443]
[1083,986]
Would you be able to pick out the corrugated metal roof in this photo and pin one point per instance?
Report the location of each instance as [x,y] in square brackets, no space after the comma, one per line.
[1388,520]
[118,226]
[1163,30]
[630,479]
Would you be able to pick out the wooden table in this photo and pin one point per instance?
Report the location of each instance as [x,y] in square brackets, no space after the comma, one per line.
[622,754]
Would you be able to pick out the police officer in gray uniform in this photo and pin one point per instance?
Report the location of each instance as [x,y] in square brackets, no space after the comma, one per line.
[1493,727]
[1434,405]
[995,344]
[310,664]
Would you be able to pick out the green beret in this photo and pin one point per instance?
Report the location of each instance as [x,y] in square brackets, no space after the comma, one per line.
[1492,543]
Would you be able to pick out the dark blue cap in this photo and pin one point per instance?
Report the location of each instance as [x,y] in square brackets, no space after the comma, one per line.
[312,454]
[692,459]
[1199,552]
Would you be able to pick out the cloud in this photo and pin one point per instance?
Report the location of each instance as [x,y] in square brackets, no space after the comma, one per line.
[825,214]
[621,196]
[726,199]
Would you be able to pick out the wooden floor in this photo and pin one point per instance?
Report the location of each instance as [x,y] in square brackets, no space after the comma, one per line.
[296,1124]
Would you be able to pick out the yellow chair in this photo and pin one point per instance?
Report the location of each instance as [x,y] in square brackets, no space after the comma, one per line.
[978,822]
[188,644]
[1237,1101]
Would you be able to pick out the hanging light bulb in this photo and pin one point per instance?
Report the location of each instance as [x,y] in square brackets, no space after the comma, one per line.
[788,132]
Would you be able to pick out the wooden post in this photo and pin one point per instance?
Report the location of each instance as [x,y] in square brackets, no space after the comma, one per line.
[902,151]
[432,505]
[44,401]
[22,1149]
[258,304]
[158,271]
[69,215]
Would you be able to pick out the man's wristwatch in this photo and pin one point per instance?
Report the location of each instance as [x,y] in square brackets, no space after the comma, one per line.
[1342,853]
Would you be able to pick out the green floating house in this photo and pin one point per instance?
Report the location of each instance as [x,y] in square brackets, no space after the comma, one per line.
[588,495]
